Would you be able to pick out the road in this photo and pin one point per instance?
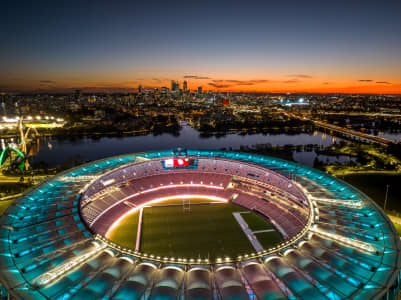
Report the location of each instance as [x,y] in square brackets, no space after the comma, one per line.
[349,132]
[9,179]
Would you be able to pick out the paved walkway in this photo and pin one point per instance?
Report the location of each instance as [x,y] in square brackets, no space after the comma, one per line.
[248,232]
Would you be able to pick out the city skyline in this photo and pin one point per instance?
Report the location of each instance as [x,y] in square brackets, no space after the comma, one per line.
[342,47]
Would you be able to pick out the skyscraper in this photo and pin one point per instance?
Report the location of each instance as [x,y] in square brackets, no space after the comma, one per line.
[175,86]
[77,94]
[199,90]
[185,87]
[140,89]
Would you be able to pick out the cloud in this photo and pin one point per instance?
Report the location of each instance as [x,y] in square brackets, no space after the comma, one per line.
[325,83]
[219,86]
[260,80]
[241,82]
[47,81]
[383,82]
[196,77]
[365,80]
[299,76]
[234,82]
[292,81]
[156,79]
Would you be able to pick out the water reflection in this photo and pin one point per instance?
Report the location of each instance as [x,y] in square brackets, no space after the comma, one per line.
[56,151]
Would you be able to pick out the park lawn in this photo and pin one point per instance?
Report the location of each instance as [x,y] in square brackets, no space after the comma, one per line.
[4,205]
[374,185]
[398,228]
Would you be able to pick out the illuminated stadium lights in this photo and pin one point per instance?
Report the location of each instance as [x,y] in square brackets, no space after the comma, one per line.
[346,280]
[101,193]
[345,240]
[79,178]
[48,277]
[108,182]
[350,203]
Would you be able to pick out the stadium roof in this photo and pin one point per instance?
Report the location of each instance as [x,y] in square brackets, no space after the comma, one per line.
[349,248]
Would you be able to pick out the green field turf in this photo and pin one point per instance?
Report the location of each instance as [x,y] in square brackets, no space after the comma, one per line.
[269,239]
[125,233]
[256,222]
[206,231]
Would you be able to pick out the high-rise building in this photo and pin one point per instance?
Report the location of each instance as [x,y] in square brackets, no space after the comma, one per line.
[77,94]
[199,90]
[175,86]
[140,89]
[185,87]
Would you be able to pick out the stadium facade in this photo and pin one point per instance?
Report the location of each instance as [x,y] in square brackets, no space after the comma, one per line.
[337,243]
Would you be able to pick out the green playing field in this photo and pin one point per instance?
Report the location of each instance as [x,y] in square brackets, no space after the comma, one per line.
[204,231]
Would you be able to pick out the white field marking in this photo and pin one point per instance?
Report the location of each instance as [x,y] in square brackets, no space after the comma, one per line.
[152,190]
[132,210]
[139,231]
[248,232]
[264,230]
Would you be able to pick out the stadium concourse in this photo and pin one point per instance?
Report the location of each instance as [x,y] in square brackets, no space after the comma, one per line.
[337,243]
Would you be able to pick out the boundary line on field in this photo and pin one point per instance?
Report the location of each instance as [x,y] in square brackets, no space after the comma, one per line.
[139,231]
[248,232]
[264,230]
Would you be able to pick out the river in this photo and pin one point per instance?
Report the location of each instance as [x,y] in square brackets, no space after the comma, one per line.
[58,151]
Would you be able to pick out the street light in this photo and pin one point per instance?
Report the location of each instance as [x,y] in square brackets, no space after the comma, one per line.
[385,199]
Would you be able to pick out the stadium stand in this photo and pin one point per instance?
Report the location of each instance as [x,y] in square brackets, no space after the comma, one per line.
[52,243]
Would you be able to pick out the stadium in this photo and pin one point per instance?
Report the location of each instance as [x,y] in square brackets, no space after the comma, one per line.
[197,224]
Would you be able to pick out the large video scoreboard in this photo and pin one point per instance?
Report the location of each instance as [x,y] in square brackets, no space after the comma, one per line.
[180,163]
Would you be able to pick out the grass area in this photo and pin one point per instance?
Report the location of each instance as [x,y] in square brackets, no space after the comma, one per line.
[125,234]
[207,230]
[374,185]
[8,189]
[4,205]
[268,239]
[398,228]
[11,188]
[372,158]
[256,222]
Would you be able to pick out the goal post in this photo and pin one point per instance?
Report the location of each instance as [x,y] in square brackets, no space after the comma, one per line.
[186,205]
